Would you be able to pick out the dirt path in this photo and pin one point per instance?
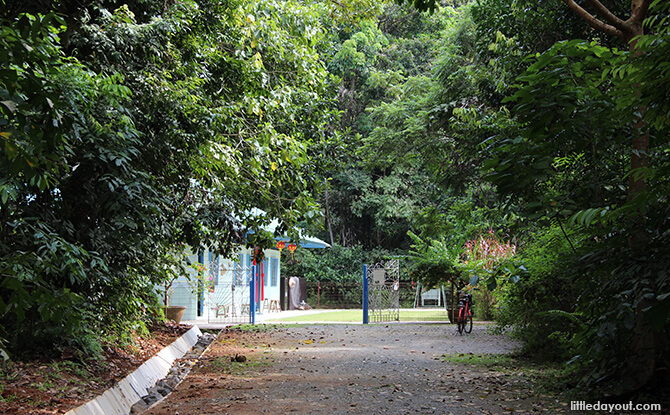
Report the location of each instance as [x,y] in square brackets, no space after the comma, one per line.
[353,369]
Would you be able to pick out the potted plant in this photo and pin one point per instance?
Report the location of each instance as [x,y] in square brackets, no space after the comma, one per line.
[176,264]
[172,312]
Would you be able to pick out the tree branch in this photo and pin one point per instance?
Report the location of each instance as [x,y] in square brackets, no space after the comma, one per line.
[593,21]
[607,15]
[567,238]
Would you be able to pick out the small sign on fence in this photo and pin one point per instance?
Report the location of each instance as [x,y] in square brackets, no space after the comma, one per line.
[379,276]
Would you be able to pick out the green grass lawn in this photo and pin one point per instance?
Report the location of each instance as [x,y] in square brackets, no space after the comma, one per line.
[356,316]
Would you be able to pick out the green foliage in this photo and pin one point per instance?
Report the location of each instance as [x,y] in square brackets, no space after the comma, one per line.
[538,307]
[648,71]
[135,129]
[356,56]
[54,264]
[335,264]
[437,262]
[575,156]
[601,300]
[631,313]
[31,104]
[408,156]
[422,5]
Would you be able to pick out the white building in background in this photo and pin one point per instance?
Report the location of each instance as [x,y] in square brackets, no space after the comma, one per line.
[224,294]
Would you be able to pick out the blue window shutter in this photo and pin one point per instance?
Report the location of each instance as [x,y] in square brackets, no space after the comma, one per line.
[275,271]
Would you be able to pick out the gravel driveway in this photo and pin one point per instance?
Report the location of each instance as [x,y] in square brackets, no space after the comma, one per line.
[353,369]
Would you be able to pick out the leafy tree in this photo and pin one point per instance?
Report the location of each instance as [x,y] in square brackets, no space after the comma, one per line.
[55,233]
[627,30]
[560,148]
[138,128]
[388,185]
[575,103]
[353,63]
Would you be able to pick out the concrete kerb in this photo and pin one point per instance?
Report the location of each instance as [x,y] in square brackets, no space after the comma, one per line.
[119,399]
[177,374]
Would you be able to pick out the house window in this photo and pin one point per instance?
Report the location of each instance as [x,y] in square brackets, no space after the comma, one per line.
[275,271]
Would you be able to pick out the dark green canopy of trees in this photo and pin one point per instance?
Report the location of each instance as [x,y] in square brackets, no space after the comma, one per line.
[131,129]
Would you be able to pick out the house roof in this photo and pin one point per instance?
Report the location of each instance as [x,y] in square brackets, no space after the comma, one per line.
[308,242]
[305,241]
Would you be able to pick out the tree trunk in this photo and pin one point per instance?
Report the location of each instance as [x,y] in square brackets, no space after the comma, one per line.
[626,30]
[328,220]
[646,344]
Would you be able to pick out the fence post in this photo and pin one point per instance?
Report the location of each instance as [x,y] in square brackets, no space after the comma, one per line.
[252,295]
[365,294]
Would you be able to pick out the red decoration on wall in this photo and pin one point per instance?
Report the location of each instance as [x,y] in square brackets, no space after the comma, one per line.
[292,247]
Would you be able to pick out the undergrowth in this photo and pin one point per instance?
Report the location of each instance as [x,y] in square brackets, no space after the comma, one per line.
[547,377]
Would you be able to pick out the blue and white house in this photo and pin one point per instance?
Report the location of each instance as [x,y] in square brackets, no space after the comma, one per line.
[230,286]
[224,296]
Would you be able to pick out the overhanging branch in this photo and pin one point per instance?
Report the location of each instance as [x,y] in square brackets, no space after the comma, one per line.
[593,21]
[607,15]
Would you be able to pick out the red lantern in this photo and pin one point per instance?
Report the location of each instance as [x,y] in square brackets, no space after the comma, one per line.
[292,247]
[281,245]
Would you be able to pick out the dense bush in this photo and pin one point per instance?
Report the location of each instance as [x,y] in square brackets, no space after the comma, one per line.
[540,308]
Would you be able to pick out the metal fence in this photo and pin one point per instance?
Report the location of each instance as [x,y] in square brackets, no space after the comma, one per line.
[230,299]
[349,295]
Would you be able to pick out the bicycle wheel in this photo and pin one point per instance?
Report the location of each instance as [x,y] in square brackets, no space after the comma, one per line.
[467,323]
[460,322]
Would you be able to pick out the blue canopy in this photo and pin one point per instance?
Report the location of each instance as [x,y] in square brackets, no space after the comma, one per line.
[306,242]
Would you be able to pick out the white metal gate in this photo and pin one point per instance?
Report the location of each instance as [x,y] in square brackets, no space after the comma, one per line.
[383,290]
[231,297]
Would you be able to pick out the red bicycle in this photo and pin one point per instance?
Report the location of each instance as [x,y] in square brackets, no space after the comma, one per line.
[464,321]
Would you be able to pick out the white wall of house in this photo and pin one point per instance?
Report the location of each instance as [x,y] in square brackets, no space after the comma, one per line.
[219,272]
